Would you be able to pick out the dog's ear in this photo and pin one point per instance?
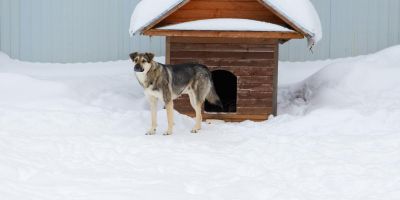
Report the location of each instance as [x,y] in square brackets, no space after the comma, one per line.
[149,56]
[133,55]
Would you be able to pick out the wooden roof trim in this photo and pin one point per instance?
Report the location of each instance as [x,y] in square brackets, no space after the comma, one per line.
[184,2]
[162,17]
[229,34]
[285,19]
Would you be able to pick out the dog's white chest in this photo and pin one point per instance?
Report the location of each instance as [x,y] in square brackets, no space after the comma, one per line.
[155,93]
[149,90]
[141,77]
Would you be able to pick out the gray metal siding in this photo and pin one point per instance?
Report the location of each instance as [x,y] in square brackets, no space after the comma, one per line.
[97,30]
[351,28]
[71,30]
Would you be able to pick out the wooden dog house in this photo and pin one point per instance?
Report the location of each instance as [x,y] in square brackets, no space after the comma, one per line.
[237,39]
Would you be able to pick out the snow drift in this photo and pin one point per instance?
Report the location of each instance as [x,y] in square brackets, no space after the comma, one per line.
[366,83]
[76,131]
[369,83]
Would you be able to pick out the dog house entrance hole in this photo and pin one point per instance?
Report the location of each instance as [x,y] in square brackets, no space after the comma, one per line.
[225,84]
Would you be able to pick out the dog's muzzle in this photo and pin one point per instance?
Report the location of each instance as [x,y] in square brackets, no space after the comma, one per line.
[138,68]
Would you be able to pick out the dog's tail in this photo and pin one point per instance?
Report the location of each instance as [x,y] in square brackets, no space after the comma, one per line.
[213,97]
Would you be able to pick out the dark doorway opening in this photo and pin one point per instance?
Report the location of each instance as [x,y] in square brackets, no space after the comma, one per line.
[225,84]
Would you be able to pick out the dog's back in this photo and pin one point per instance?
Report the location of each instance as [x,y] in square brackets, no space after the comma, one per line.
[184,74]
[193,78]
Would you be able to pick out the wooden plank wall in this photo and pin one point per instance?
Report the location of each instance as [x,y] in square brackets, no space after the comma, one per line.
[252,61]
[205,9]
[97,30]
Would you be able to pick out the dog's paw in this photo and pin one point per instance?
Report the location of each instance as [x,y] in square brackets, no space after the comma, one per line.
[168,133]
[195,130]
[151,132]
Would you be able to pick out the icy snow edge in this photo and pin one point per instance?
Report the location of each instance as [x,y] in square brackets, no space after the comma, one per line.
[227,24]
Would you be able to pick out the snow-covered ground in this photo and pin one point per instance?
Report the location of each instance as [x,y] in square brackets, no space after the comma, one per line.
[76,131]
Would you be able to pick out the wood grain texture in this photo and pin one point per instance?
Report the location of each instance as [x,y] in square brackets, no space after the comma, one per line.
[243,94]
[200,9]
[219,40]
[224,63]
[283,18]
[223,47]
[222,55]
[275,83]
[231,117]
[253,62]
[224,34]
[247,71]
[157,21]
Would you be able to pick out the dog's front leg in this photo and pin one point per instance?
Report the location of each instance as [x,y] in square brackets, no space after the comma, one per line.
[170,115]
[153,108]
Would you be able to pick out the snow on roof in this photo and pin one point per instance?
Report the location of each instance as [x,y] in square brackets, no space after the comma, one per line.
[147,11]
[300,12]
[227,24]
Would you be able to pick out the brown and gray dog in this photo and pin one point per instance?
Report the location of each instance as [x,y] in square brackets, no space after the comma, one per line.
[168,82]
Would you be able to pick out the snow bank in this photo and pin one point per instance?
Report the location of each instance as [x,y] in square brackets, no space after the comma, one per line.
[368,83]
[13,89]
[226,24]
[76,131]
[365,83]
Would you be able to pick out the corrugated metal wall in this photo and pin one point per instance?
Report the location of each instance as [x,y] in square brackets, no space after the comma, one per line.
[351,27]
[70,30]
[97,30]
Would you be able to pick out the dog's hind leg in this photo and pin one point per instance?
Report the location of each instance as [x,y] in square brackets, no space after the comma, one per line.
[153,108]
[199,118]
[197,108]
[170,115]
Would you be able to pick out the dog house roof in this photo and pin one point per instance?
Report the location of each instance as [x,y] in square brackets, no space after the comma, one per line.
[299,15]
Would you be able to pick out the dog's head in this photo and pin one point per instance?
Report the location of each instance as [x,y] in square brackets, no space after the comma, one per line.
[142,61]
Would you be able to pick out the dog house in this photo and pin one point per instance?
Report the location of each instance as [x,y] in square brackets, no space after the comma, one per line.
[239,42]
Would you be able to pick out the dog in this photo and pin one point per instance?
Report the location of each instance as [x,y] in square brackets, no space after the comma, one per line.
[168,82]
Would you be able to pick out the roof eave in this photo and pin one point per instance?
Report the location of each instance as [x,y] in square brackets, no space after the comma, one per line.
[300,30]
[163,16]
[285,19]
[227,34]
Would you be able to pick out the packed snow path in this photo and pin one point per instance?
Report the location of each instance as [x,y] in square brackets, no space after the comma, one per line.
[76,131]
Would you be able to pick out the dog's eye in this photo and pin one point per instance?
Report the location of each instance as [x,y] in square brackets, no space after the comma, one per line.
[144,61]
[136,60]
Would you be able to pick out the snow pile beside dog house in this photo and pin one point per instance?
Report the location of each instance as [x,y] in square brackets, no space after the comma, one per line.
[238,41]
